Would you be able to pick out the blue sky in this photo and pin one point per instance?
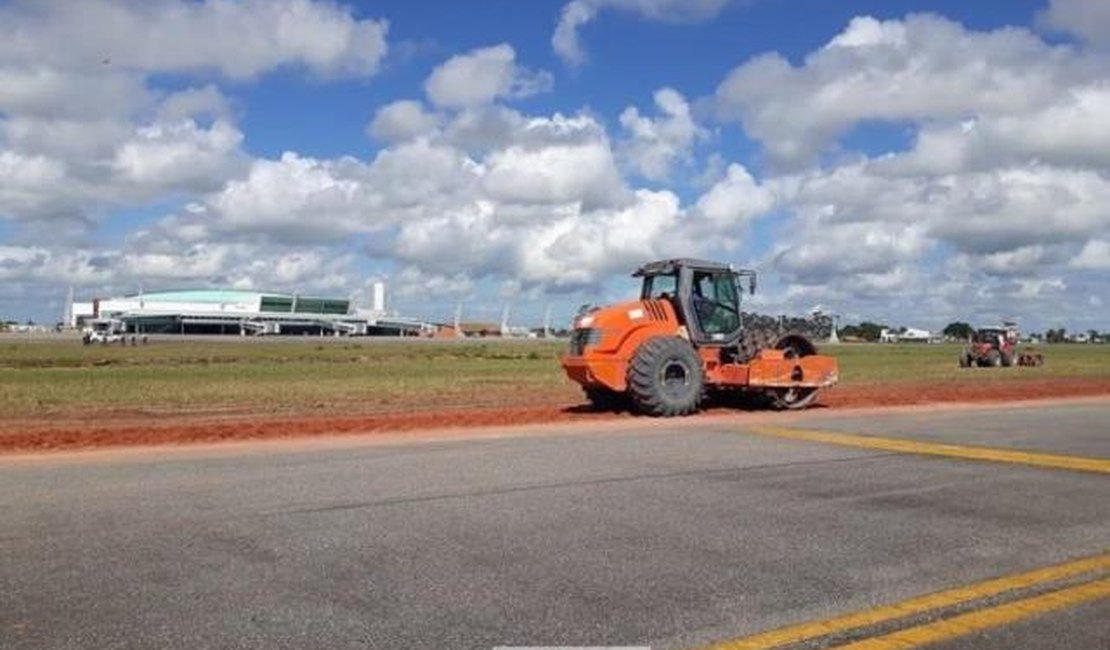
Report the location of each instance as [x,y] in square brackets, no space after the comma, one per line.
[631,58]
[910,162]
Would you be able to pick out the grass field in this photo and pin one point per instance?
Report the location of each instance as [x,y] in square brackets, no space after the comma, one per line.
[50,377]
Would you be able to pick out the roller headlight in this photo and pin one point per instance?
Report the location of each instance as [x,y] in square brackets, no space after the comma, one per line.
[583,337]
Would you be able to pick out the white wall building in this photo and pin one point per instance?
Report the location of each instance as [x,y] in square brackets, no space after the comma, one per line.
[230,311]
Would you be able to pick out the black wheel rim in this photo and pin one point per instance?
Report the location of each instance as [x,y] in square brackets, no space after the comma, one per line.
[674,378]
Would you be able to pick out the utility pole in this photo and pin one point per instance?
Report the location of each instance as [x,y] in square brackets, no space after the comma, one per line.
[547,322]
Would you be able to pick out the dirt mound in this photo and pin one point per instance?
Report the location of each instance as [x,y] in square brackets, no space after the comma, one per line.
[108,430]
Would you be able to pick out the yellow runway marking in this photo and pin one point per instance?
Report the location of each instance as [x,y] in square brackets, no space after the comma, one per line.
[984,619]
[991,454]
[918,605]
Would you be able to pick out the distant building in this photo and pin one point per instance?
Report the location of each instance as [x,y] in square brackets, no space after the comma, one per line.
[231,311]
[479,329]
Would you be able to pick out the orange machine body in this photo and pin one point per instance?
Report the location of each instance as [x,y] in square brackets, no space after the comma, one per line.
[605,341]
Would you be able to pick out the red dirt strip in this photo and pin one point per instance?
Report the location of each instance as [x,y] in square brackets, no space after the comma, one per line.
[92,430]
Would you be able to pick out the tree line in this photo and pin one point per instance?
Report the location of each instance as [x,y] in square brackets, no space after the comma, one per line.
[961,331]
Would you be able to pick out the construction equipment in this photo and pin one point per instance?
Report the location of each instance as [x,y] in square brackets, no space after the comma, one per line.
[1030,359]
[104,330]
[990,347]
[685,336]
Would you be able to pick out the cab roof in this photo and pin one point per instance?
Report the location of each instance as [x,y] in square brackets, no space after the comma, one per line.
[669,267]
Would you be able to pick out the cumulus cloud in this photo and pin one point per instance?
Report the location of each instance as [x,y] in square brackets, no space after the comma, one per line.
[293,200]
[413,282]
[34,89]
[821,253]
[27,179]
[238,265]
[983,212]
[402,120]
[1072,131]
[735,200]
[241,38]
[653,145]
[1088,19]
[857,222]
[995,198]
[556,164]
[485,128]
[544,205]
[1095,255]
[69,170]
[577,13]
[92,131]
[181,156]
[483,75]
[1003,184]
[923,68]
[580,249]
[25,263]
[561,248]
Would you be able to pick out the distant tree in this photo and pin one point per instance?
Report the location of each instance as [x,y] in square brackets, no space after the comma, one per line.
[849,331]
[1092,336]
[958,330]
[871,331]
[1056,335]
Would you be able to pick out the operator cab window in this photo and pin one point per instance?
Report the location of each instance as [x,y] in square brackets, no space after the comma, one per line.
[659,287]
[716,304]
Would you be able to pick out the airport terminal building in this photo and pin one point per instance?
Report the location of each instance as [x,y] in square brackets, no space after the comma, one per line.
[231,311]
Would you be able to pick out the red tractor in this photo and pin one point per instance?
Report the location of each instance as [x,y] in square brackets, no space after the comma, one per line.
[990,347]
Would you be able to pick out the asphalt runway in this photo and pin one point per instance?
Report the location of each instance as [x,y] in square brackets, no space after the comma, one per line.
[676,534]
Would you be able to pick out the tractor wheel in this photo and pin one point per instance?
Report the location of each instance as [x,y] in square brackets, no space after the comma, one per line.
[994,359]
[665,377]
[603,399]
[795,397]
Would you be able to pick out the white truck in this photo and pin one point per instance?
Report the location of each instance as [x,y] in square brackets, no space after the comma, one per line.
[104,330]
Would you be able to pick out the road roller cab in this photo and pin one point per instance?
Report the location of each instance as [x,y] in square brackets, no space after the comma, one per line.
[686,335]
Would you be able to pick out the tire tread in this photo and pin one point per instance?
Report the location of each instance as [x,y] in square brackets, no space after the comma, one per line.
[642,384]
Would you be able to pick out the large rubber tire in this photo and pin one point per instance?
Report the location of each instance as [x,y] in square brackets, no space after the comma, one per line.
[665,377]
[791,399]
[994,359]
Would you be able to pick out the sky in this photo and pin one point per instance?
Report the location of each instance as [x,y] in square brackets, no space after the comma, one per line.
[913,163]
